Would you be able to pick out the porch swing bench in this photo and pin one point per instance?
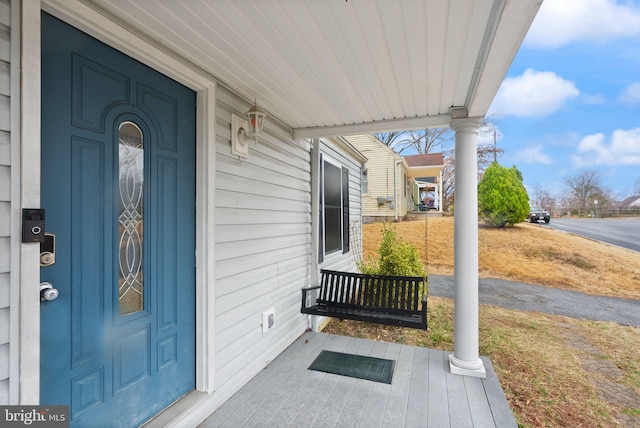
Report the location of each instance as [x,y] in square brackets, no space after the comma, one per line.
[382,299]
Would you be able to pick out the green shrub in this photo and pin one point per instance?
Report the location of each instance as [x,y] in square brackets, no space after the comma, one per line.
[502,197]
[395,257]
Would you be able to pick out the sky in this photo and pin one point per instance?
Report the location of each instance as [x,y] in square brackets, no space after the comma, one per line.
[571,100]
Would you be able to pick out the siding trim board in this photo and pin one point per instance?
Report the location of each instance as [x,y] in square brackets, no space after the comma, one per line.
[12,349]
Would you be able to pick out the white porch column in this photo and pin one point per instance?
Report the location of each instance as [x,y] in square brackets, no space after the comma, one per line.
[466,360]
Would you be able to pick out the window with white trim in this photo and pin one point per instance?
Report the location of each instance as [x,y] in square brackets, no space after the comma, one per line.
[365,181]
[334,208]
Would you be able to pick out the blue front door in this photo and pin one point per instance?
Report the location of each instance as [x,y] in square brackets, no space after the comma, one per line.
[118,187]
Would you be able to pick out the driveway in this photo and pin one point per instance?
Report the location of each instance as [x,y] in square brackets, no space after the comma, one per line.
[535,298]
[621,232]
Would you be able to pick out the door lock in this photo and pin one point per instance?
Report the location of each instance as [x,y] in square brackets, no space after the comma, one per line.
[48,250]
[47,292]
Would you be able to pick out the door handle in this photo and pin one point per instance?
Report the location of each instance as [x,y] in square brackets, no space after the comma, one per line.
[47,292]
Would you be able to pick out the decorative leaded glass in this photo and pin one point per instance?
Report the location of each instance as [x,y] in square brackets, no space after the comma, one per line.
[131,220]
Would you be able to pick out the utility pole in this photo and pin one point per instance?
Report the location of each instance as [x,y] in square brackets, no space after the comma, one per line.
[495,149]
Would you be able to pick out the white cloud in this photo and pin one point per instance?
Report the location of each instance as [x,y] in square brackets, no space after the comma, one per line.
[622,149]
[533,154]
[562,22]
[631,94]
[593,99]
[486,134]
[534,93]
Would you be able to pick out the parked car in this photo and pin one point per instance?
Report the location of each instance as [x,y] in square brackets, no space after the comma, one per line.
[537,214]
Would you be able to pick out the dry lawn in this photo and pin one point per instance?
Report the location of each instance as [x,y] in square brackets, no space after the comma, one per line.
[526,253]
[544,362]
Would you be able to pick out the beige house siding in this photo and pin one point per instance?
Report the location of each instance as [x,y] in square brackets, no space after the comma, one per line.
[387,179]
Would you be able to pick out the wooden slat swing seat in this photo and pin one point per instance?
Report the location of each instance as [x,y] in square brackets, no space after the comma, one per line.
[382,299]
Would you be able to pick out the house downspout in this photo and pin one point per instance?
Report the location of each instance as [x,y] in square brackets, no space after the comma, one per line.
[315,219]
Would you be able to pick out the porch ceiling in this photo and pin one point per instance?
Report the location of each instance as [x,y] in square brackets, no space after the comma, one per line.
[424,171]
[337,67]
[424,165]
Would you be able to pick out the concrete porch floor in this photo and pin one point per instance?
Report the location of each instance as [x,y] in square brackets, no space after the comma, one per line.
[422,394]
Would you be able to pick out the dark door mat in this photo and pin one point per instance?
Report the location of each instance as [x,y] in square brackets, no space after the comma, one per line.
[358,366]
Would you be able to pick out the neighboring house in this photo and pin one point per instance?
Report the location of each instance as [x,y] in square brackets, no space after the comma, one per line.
[628,206]
[426,171]
[387,190]
[180,246]
[630,202]
[394,184]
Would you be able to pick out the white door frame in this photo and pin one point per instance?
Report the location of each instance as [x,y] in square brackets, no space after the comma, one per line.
[108,31]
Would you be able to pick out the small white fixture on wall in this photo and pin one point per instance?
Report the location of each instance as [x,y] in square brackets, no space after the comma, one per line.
[268,319]
[239,144]
[245,130]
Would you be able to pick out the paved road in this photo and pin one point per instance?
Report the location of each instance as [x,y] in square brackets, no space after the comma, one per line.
[621,232]
[535,298]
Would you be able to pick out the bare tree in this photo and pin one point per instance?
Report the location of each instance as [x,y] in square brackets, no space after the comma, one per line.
[448,179]
[486,154]
[391,139]
[422,141]
[636,187]
[604,204]
[431,140]
[441,140]
[585,187]
[566,202]
[542,197]
[436,140]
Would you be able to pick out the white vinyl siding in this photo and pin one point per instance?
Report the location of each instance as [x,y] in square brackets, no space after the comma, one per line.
[262,244]
[5,196]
